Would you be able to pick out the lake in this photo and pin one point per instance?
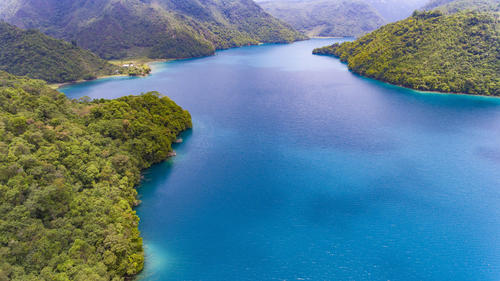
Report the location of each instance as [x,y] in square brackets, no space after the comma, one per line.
[297,169]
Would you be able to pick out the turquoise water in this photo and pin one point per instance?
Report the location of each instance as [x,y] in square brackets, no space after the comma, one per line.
[296,169]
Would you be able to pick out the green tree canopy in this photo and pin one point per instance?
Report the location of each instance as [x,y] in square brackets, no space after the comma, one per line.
[430,51]
[67,175]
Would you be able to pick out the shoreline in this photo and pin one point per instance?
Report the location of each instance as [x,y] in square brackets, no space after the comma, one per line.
[148,62]
[329,37]
[423,92]
[405,87]
[57,86]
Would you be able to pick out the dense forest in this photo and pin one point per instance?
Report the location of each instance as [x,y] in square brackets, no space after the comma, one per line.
[430,51]
[36,55]
[326,17]
[68,169]
[156,29]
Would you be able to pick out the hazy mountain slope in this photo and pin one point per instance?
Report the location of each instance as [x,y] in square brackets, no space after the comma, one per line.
[36,55]
[326,17]
[453,6]
[430,51]
[394,10]
[155,28]
[432,4]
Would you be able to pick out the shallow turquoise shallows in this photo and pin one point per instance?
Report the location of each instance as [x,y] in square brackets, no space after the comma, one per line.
[296,169]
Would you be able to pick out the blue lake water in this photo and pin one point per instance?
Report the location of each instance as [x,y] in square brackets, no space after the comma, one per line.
[297,169]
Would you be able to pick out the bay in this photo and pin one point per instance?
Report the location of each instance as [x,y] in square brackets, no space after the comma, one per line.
[297,169]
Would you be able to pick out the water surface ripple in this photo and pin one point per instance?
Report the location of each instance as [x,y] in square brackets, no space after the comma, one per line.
[297,169]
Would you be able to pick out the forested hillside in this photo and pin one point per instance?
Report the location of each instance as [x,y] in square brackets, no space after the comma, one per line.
[453,6]
[36,55]
[67,176]
[157,29]
[326,17]
[430,51]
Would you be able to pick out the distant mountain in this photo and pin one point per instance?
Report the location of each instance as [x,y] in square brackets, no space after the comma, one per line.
[340,17]
[152,28]
[430,51]
[453,6]
[31,53]
[326,17]
[394,10]
[433,4]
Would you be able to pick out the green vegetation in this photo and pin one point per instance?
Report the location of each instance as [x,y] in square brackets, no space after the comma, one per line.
[31,53]
[454,6]
[326,17]
[67,176]
[136,70]
[430,51]
[155,29]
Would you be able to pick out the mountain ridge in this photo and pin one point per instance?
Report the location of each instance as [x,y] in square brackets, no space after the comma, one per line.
[151,28]
[338,18]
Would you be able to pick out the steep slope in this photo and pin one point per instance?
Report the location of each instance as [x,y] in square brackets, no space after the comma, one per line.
[430,51]
[67,176]
[326,17]
[453,6]
[36,55]
[154,28]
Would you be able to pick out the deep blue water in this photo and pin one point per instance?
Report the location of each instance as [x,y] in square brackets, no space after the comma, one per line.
[296,169]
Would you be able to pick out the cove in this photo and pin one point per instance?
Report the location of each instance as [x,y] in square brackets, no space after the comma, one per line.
[296,169]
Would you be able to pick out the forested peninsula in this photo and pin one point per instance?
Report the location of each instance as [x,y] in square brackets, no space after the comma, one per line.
[68,169]
[430,51]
